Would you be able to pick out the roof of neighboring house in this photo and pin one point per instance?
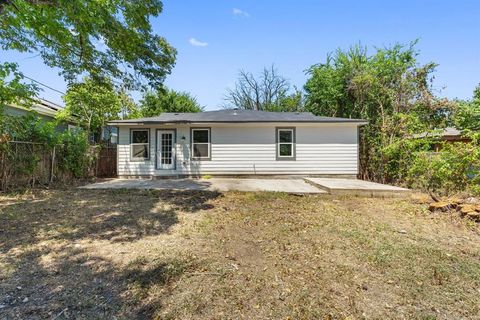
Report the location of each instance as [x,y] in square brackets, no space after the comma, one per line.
[43,107]
[237,116]
[441,133]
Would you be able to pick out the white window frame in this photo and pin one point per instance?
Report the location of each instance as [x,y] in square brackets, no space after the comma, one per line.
[132,158]
[292,156]
[204,143]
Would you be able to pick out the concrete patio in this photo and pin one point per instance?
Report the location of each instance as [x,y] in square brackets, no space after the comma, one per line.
[297,185]
[291,185]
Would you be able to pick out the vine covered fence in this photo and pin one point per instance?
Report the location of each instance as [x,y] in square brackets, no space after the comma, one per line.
[31,164]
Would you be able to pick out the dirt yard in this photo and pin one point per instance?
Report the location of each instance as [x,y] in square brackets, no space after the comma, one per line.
[94,254]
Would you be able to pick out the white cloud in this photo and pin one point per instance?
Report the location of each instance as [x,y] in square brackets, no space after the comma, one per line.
[197,43]
[240,13]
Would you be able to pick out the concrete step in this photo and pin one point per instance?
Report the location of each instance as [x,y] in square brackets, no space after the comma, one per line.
[357,187]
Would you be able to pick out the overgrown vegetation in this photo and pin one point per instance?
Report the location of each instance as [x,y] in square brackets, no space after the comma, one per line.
[391,90]
[455,169]
[33,151]
[388,88]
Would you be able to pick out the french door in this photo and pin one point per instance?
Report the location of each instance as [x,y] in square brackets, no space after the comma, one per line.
[166,149]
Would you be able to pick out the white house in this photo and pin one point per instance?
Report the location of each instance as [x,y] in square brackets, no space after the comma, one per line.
[42,108]
[237,142]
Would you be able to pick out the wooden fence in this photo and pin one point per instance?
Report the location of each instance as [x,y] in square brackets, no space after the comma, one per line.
[106,165]
[29,164]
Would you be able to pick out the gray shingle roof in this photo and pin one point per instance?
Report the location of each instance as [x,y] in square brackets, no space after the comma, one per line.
[447,132]
[236,116]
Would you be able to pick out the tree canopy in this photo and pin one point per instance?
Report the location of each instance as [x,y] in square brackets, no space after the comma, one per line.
[467,113]
[91,104]
[101,38]
[167,100]
[13,89]
[389,88]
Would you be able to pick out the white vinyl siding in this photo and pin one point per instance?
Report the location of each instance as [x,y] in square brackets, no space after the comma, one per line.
[251,149]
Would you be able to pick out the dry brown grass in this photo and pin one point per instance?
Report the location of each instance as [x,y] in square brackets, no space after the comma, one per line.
[200,255]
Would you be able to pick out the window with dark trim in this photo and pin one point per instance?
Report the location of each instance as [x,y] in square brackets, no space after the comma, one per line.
[139,144]
[285,138]
[201,143]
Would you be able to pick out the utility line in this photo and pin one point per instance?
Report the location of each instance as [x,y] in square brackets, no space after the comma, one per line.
[43,84]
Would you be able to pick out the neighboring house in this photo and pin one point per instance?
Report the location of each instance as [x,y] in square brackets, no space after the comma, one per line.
[238,142]
[448,135]
[110,134]
[45,109]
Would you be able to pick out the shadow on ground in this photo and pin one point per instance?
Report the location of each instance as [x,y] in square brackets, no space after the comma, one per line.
[45,273]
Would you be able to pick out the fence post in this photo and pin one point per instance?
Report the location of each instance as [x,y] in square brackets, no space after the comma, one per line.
[52,165]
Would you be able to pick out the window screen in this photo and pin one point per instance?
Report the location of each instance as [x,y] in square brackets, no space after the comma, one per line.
[201,143]
[285,143]
[139,146]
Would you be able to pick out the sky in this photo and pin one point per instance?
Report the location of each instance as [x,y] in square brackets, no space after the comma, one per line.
[215,39]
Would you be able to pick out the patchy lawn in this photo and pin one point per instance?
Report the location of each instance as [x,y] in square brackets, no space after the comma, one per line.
[93,254]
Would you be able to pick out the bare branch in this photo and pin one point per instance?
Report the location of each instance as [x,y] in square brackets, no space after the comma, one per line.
[262,93]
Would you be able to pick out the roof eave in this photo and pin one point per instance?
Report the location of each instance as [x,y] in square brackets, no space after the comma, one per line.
[121,122]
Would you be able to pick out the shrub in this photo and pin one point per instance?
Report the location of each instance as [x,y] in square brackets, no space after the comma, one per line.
[73,153]
[400,155]
[26,151]
[455,168]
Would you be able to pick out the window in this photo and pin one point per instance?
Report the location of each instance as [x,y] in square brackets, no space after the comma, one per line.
[139,144]
[201,143]
[285,143]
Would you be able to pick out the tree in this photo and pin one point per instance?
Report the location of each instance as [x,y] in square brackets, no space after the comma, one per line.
[268,92]
[167,100]
[467,113]
[91,104]
[291,102]
[129,109]
[101,38]
[13,90]
[389,89]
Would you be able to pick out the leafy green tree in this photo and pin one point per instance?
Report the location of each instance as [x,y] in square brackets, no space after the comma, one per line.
[129,109]
[388,88]
[91,104]
[102,38]
[13,89]
[267,92]
[292,102]
[167,100]
[467,113]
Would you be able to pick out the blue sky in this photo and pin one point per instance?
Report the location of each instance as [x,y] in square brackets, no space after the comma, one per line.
[215,39]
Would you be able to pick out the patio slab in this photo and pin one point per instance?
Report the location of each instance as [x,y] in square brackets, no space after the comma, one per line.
[277,185]
[358,187]
[299,186]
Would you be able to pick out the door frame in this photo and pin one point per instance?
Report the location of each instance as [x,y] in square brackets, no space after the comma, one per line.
[174,147]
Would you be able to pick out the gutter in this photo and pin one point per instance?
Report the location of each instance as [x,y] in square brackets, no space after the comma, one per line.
[121,122]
